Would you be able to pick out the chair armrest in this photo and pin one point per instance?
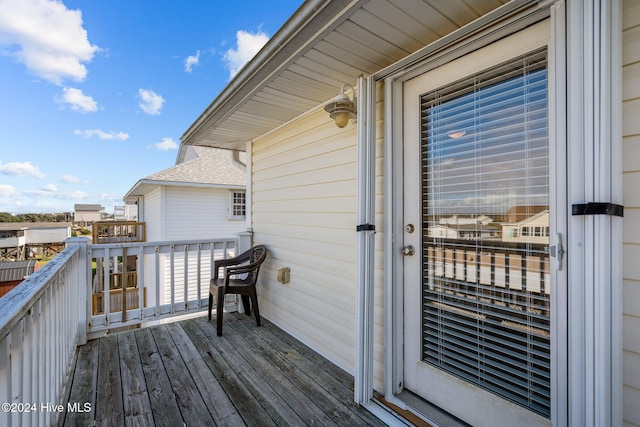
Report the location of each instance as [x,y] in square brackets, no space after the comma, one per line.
[241,269]
[239,259]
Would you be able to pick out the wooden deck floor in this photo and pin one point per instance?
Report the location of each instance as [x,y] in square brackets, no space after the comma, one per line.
[183,374]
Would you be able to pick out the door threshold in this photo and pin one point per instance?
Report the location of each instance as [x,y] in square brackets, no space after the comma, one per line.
[421,413]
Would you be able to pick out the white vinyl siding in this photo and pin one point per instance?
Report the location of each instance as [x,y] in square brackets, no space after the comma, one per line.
[194,213]
[304,209]
[185,213]
[153,214]
[631,182]
[198,213]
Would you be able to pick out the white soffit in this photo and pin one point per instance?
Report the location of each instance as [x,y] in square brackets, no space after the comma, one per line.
[325,44]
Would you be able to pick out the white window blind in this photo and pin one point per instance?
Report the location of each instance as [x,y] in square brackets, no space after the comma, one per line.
[485,207]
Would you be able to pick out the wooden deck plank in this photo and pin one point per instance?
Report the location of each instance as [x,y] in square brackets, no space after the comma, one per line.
[258,384]
[190,401]
[83,386]
[331,378]
[163,403]
[216,400]
[110,410]
[246,403]
[183,374]
[305,374]
[291,389]
[137,407]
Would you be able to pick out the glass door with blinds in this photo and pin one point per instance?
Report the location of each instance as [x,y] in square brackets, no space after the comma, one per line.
[476,255]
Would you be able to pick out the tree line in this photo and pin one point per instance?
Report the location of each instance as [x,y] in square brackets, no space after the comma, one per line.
[34,217]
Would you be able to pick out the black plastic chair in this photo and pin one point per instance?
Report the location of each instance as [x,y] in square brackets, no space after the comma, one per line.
[247,263]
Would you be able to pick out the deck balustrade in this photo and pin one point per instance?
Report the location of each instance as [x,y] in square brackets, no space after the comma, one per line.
[41,323]
[66,302]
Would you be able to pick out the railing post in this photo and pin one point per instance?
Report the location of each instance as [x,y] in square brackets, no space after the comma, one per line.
[81,286]
[245,241]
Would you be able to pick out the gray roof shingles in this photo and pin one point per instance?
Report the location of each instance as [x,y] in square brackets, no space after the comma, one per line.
[211,166]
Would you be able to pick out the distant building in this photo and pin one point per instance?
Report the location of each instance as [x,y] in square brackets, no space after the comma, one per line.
[85,214]
[464,231]
[465,220]
[534,229]
[12,241]
[22,240]
[125,213]
[12,273]
[522,212]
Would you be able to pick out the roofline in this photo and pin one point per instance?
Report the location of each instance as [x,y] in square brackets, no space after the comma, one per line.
[142,182]
[286,41]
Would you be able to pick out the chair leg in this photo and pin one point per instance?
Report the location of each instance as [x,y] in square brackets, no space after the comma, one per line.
[210,304]
[246,305]
[219,310]
[254,303]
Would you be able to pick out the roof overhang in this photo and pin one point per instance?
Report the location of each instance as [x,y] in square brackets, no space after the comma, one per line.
[325,44]
[144,186]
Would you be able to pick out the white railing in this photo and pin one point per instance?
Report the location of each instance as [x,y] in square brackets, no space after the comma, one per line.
[135,283]
[79,295]
[40,326]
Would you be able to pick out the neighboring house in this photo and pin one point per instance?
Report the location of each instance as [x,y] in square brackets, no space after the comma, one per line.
[467,108]
[125,213]
[464,231]
[461,220]
[202,196]
[12,273]
[85,214]
[12,241]
[534,229]
[22,240]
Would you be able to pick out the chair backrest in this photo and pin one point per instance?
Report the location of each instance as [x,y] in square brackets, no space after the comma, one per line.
[258,255]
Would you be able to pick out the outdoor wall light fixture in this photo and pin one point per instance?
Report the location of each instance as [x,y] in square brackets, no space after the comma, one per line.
[341,108]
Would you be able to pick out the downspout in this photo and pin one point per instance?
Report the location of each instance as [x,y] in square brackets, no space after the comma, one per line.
[235,156]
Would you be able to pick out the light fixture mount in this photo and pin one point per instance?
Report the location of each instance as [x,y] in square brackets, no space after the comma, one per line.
[341,108]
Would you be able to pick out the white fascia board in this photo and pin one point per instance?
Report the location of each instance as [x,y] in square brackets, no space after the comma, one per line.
[145,185]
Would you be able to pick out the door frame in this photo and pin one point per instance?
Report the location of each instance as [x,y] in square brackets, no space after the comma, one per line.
[393,96]
[590,120]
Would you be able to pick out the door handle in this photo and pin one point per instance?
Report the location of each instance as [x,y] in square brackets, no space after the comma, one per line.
[557,251]
[408,250]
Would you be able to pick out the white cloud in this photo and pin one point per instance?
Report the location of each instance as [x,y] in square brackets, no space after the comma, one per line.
[88,133]
[69,179]
[77,100]
[74,195]
[150,102]
[247,45]
[166,144]
[21,169]
[50,187]
[46,37]
[7,190]
[191,61]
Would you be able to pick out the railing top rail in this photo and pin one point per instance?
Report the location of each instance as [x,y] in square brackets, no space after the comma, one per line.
[15,304]
[166,243]
[109,223]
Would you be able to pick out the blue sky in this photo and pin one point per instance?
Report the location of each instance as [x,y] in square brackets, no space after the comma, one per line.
[95,94]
